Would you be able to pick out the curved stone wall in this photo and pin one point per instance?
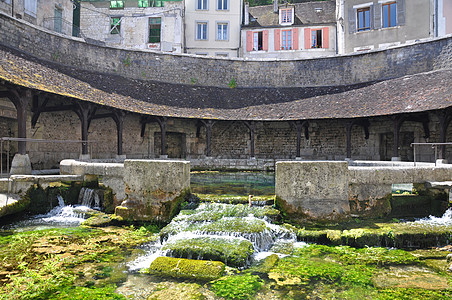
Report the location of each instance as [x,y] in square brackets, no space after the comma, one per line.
[337,70]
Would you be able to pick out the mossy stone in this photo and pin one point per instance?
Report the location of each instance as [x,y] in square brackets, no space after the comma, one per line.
[187,268]
[265,265]
[234,252]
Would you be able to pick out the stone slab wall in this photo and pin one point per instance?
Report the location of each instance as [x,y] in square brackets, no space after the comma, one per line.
[328,190]
[336,70]
[154,188]
[314,190]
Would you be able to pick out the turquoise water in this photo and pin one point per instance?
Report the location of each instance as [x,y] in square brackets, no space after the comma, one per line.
[233,183]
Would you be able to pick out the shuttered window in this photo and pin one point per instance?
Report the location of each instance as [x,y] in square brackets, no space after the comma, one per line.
[363,18]
[389,13]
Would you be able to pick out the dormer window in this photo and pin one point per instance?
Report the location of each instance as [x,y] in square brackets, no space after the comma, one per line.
[286,16]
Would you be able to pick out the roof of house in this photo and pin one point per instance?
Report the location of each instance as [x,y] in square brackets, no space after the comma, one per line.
[413,93]
[307,13]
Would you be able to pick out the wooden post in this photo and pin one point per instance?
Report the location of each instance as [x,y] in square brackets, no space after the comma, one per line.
[162,123]
[118,117]
[348,128]
[252,127]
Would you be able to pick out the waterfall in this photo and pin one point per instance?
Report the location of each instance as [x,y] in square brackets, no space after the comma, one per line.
[89,197]
[213,224]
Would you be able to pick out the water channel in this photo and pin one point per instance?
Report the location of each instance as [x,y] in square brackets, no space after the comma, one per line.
[264,257]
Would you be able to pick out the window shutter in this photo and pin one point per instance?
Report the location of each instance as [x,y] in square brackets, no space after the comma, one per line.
[295,38]
[351,20]
[307,38]
[249,41]
[400,12]
[377,16]
[325,37]
[277,39]
[265,40]
[371,16]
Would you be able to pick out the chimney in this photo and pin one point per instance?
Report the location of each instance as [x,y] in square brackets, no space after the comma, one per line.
[275,6]
[246,21]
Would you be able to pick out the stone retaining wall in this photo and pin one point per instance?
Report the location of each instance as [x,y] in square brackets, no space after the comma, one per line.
[141,64]
[320,190]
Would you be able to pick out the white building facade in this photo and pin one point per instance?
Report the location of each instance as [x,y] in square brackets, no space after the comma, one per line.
[212,27]
[136,24]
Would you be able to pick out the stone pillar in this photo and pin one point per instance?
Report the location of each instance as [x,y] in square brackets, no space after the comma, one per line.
[162,123]
[154,189]
[118,117]
[315,190]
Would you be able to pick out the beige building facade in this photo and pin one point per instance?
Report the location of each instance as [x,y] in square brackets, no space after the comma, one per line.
[149,24]
[212,27]
[379,24]
[55,15]
[289,31]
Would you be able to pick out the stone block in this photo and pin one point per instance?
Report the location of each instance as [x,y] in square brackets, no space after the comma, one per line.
[155,188]
[313,189]
[20,165]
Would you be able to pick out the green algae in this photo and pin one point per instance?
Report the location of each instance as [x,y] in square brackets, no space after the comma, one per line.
[189,291]
[213,212]
[237,287]
[186,268]
[232,251]
[60,261]
[264,266]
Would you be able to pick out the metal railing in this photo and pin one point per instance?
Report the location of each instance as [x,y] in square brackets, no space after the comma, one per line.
[8,140]
[63,26]
[433,145]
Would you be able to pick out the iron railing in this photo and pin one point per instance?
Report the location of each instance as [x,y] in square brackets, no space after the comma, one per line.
[433,145]
[62,26]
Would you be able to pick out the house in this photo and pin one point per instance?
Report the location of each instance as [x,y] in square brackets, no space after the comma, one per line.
[300,30]
[137,24]
[212,27]
[379,24]
[55,15]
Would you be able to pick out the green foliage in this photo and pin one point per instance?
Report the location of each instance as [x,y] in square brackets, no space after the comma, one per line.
[232,83]
[37,284]
[237,287]
[127,61]
[193,80]
[413,294]
[85,293]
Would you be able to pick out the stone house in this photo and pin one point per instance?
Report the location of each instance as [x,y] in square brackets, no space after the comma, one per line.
[212,27]
[366,25]
[55,15]
[144,24]
[300,30]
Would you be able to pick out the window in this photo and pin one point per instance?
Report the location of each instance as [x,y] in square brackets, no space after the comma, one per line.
[286,16]
[389,11]
[222,31]
[115,25]
[154,30]
[58,20]
[316,38]
[222,5]
[201,31]
[31,7]
[116,4]
[286,43]
[258,41]
[363,17]
[201,4]
[150,3]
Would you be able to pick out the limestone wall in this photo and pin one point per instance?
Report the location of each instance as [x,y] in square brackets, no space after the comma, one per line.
[337,70]
[328,190]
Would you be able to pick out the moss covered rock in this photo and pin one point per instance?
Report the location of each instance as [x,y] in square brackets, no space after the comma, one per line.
[234,252]
[187,268]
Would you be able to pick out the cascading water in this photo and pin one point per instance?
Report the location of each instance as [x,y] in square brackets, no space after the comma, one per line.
[193,232]
[444,220]
[62,215]
[89,197]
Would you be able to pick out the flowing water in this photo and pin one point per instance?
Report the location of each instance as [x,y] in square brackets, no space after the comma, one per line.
[61,215]
[218,224]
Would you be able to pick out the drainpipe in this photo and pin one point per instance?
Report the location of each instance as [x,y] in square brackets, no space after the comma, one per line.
[435,19]
[12,8]
[247,15]
[275,6]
